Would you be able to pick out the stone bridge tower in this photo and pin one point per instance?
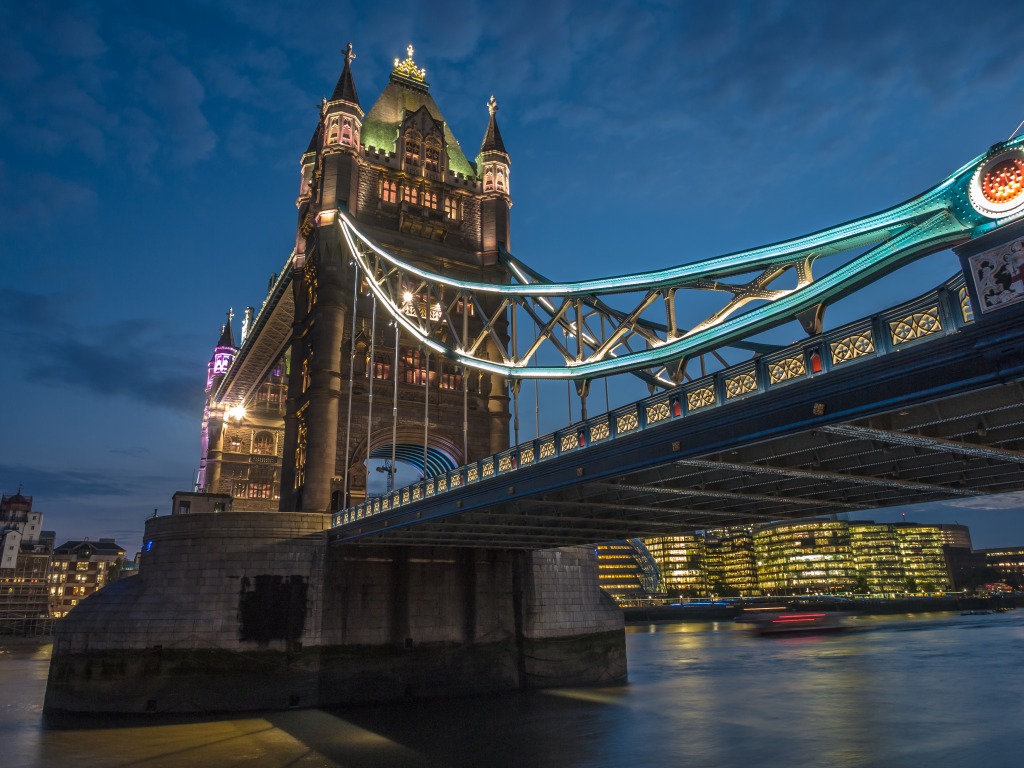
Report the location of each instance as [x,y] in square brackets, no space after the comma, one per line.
[399,172]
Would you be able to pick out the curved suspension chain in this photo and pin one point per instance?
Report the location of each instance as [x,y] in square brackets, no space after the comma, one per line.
[433,307]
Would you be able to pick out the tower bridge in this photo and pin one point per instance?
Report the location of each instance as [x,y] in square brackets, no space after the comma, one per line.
[402,327]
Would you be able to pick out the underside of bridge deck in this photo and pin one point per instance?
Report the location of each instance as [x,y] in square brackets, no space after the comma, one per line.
[957,447]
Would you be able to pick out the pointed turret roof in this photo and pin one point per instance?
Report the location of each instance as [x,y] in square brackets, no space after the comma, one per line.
[227,336]
[345,90]
[492,139]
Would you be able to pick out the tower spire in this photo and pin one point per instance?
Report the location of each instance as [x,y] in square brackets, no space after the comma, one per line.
[492,138]
[227,336]
[345,90]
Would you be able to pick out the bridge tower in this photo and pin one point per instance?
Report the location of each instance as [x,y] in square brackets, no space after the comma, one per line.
[399,172]
[213,414]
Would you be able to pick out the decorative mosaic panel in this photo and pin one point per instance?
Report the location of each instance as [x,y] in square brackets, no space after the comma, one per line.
[915,326]
[376,506]
[740,384]
[627,422]
[456,480]
[417,493]
[547,449]
[853,346]
[430,488]
[472,475]
[965,306]
[386,503]
[657,412]
[489,468]
[405,496]
[505,464]
[599,431]
[442,484]
[789,368]
[700,398]
[526,456]
[569,442]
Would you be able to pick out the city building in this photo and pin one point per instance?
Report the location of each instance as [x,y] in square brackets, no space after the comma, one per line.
[681,560]
[731,566]
[80,568]
[24,568]
[1008,562]
[805,557]
[627,571]
[877,560]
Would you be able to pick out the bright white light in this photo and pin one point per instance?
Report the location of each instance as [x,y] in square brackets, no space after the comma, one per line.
[407,297]
[236,412]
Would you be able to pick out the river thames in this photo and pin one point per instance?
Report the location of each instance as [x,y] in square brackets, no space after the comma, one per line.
[929,690]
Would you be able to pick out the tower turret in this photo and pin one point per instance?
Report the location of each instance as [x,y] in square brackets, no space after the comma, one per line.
[493,168]
[341,124]
[223,354]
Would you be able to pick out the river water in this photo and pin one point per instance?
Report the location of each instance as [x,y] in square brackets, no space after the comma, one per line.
[930,690]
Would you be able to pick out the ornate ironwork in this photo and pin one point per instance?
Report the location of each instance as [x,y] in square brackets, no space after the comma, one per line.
[627,422]
[700,398]
[786,369]
[966,310]
[526,456]
[569,442]
[915,325]
[505,464]
[740,384]
[599,431]
[547,449]
[472,475]
[657,412]
[853,346]
[489,468]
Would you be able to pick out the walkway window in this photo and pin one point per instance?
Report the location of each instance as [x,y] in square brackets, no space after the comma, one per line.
[263,444]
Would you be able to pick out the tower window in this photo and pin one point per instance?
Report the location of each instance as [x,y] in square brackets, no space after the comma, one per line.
[346,132]
[412,153]
[451,208]
[389,192]
[433,158]
[332,131]
[430,199]
[488,180]
[263,444]
[411,195]
[501,180]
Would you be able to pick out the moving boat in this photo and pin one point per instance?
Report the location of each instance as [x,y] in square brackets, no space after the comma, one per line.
[787,623]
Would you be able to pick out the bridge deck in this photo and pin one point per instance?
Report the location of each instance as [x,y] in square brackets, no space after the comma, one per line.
[937,418]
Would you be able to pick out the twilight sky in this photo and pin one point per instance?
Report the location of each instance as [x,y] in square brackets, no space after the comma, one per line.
[150,166]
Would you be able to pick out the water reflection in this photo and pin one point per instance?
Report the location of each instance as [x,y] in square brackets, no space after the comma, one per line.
[910,691]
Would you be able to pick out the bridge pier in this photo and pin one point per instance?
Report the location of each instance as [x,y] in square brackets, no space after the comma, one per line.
[254,610]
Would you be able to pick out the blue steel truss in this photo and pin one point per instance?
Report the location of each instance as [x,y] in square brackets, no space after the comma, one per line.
[563,315]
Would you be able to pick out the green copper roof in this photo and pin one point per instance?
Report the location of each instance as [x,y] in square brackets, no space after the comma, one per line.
[380,128]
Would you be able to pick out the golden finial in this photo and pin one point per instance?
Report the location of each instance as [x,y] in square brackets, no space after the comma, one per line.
[492,105]
[409,69]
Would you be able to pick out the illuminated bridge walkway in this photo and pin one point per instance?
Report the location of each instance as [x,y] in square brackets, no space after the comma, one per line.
[915,404]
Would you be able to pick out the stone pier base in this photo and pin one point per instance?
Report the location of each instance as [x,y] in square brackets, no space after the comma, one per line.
[255,611]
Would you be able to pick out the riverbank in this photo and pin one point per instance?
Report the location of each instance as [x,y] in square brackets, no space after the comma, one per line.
[864,606]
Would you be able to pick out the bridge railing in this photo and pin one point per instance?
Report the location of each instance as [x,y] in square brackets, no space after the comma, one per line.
[939,312]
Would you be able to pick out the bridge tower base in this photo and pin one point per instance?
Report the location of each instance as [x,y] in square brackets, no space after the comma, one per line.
[255,611]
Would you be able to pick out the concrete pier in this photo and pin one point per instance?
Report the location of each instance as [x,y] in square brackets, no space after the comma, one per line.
[255,611]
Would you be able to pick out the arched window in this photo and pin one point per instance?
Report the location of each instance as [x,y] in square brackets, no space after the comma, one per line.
[501,179]
[332,131]
[346,132]
[430,199]
[389,192]
[488,180]
[411,195]
[263,444]
[432,157]
[413,148]
[451,208]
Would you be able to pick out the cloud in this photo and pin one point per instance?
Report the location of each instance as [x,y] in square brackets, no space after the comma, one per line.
[65,483]
[135,359]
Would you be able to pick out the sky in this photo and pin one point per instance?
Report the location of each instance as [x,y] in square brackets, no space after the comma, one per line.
[149,168]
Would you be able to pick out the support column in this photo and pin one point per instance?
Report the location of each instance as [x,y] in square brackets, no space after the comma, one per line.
[324,403]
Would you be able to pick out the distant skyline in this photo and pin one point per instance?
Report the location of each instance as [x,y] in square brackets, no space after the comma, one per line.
[150,168]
